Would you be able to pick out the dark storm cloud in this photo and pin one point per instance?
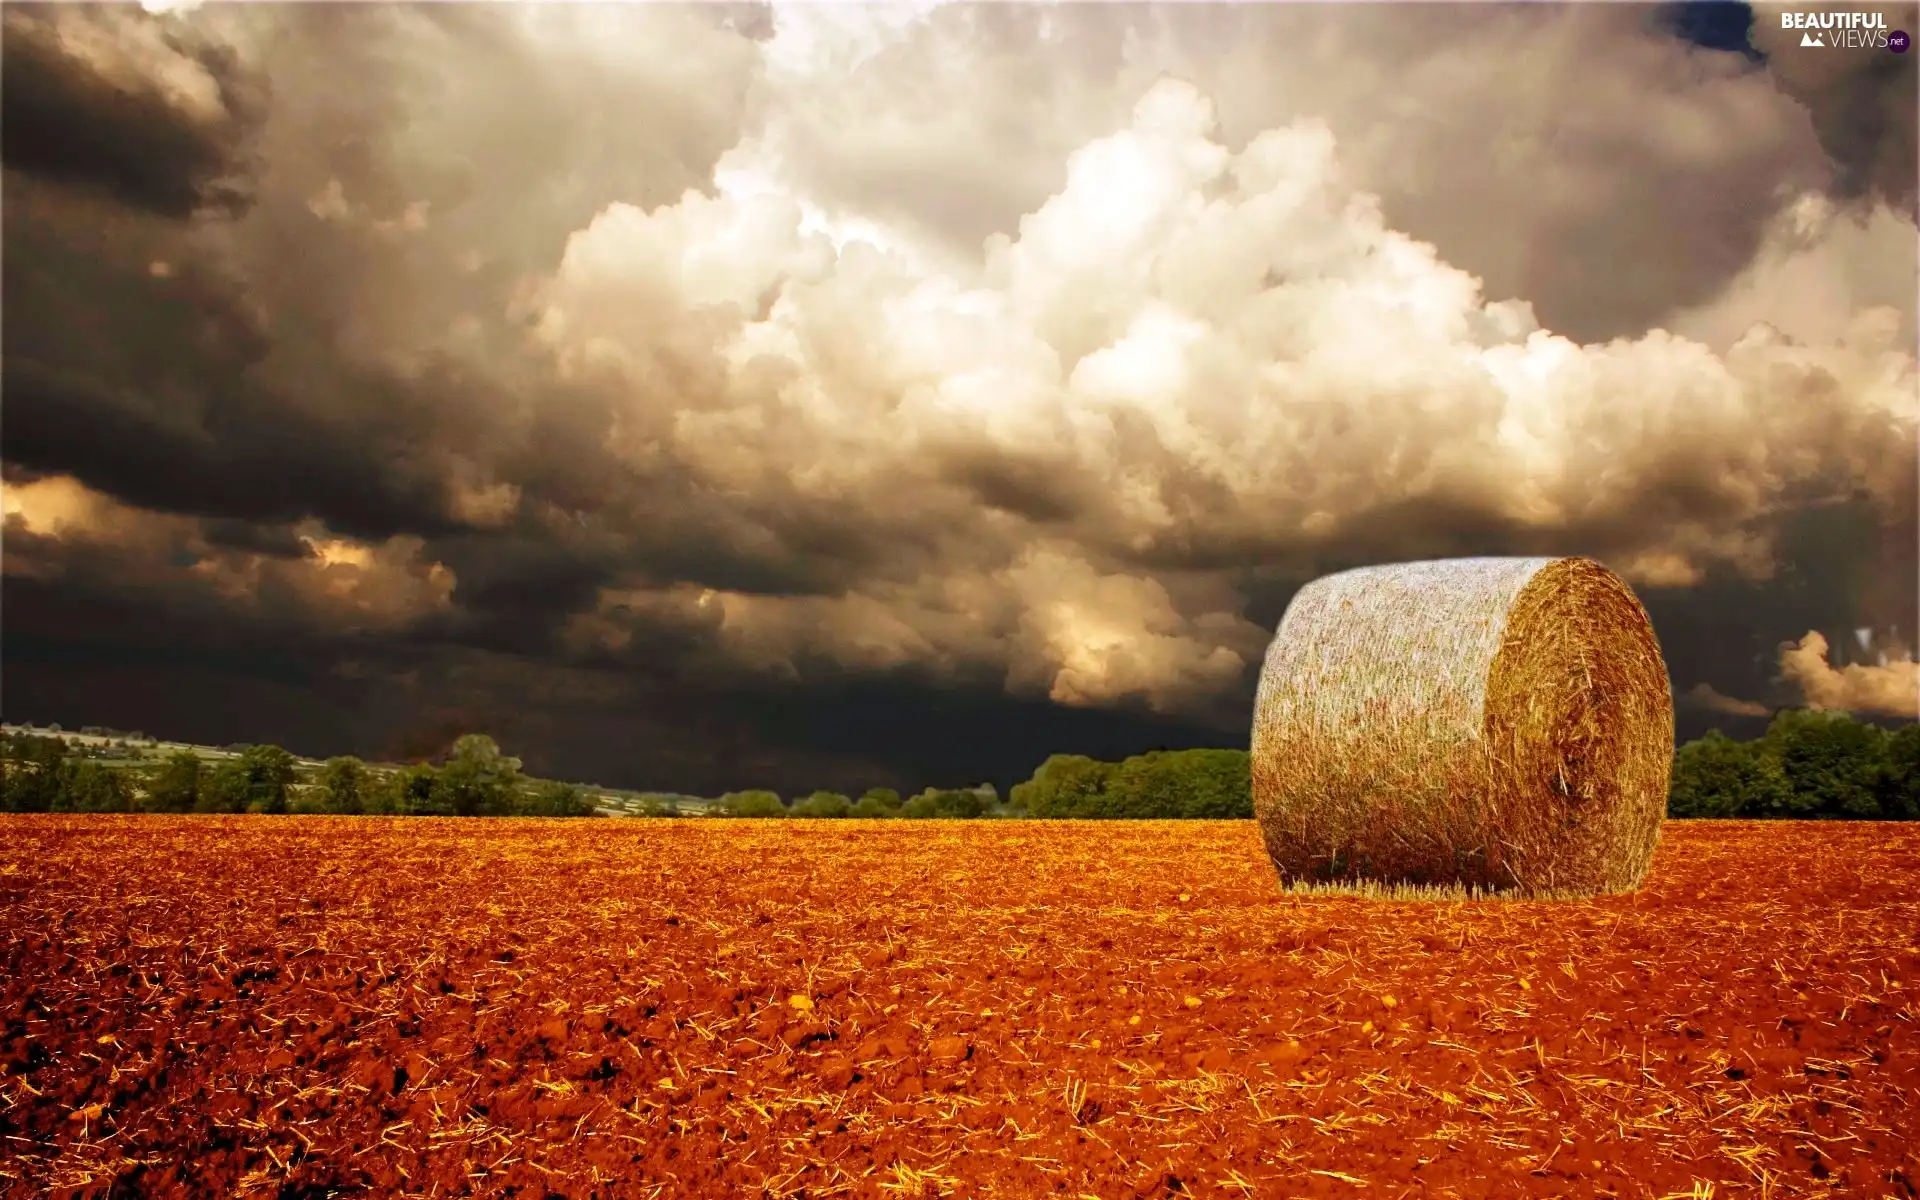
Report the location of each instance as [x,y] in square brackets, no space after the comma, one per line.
[275,541]
[1862,102]
[1727,630]
[520,573]
[281,364]
[1037,489]
[245,464]
[115,100]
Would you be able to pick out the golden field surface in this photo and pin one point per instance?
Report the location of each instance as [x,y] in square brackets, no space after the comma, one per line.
[319,1006]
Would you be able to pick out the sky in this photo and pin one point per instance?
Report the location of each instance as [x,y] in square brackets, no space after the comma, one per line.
[698,398]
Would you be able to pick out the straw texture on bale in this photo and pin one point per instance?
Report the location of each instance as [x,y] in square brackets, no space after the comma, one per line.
[1494,725]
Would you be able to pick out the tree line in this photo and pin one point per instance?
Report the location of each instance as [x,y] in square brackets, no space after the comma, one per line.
[1808,765]
[874,804]
[45,774]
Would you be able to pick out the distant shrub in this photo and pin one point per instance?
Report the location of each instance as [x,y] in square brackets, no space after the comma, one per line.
[88,787]
[551,799]
[344,785]
[871,807]
[752,804]
[174,786]
[948,804]
[407,792]
[269,771]
[224,790]
[477,780]
[655,804]
[1162,784]
[1065,786]
[823,804]
[30,772]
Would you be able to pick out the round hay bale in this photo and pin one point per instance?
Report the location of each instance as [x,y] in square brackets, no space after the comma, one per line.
[1498,725]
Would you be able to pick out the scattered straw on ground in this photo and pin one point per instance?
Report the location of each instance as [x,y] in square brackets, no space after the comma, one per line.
[284,1005]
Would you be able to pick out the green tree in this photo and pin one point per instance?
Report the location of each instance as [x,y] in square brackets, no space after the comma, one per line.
[89,787]
[30,772]
[1899,788]
[1190,784]
[1833,764]
[478,780]
[343,783]
[1207,784]
[753,803]
[551,799]
[174,786]
[823,804]
[656,805]
[1065,786]
[1715,776]
[1145,787]
[411,792]
[269,771]
[225,789]
[873,806]
[947,804]
[959,804]
[381,796]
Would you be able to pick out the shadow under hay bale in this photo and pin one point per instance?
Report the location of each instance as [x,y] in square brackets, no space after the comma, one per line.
[1463,727]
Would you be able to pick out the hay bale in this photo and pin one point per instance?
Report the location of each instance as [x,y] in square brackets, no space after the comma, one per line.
[1489,724]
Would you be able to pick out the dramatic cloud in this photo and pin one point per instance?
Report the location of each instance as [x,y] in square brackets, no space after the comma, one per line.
[707,389]
[56,527]
[152,114]
[1572,155]
[1890,689]
[1818,266]
[1704,696]
[1215,359]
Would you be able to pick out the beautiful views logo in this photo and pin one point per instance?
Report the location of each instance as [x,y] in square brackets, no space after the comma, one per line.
[1846,31]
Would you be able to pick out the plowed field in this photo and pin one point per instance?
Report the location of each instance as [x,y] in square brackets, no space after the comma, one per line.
[320,1006]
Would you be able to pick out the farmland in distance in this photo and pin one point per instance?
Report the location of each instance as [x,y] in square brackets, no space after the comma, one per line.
[272,1006]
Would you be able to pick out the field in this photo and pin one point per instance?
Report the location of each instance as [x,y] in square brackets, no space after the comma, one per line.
[288,1006]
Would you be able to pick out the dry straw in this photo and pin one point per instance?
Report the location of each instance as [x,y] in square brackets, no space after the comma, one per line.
[1467,727]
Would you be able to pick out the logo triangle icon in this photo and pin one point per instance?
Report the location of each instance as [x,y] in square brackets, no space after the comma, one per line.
[1812,39]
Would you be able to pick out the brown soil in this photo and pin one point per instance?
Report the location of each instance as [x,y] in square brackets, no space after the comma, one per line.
[327,1006]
